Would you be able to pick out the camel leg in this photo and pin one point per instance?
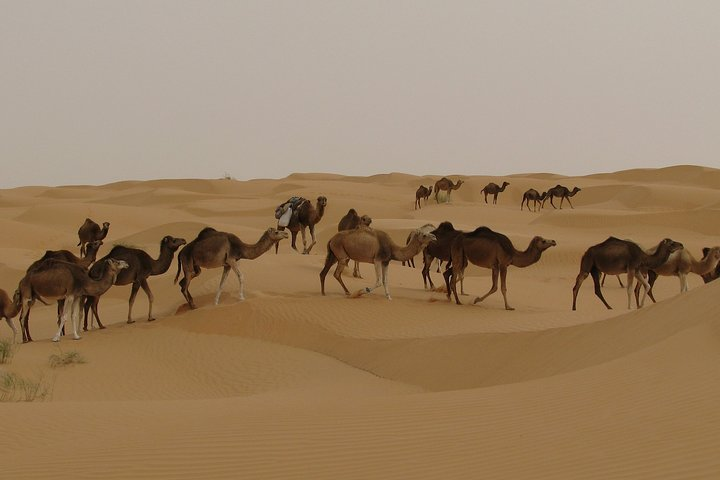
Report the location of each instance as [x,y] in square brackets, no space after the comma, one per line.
[306,251]
[96,316]
[293,238]
[133,293]
[571,206]
[503,287]
[378,278]
[151,298]
[66,311]
[683,282]
[551,203]
[277,245]
[241,280]
[24,318]
[75,316]
[338,273]
[385,280]
[226,269]
[578,281]
[12,326]
[427,260]
[447,274]
[455,275]
[493,289]
[329,262]
[356,270]
[595,273]
[645,284]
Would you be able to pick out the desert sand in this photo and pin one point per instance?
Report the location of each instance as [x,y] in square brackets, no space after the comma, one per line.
[291,384]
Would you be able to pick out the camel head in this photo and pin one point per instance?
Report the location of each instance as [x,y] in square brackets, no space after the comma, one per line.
[94,245]
[172,243]
[713,253]
[543,243]
[321,201]
[543,195]
[276,235]
[670,244]
[365,220]
[106,225]
[505,184]
[575,190]
[423,236]
[430,190]
[116,265]
[459,182]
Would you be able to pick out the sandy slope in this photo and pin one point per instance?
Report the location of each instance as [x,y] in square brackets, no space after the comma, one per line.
[290,384]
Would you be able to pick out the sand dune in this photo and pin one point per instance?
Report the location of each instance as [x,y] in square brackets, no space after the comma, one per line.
[291,384]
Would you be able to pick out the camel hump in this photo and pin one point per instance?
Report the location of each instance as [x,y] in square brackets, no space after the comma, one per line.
[205,232]
[444,227]
[481,232]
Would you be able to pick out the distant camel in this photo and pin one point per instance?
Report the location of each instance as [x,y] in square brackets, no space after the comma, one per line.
[447,185]
[535,196]
[140,267]
[369,246]
[422,192]
[308,216]
[440,249]
[90,231]
[214,249]
[493,189]
[427,228]
[486,248]
[350,221]
[615,256]
[562,192]
[712,275]
[10,308]
[54,279]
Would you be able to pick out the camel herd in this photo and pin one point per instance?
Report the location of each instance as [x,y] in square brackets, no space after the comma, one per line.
[78,282]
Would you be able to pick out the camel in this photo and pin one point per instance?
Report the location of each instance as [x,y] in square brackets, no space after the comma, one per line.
[91,250]
[369,246]
[494,189]
[214,249]
[535,196]
[440,249]
[713,274]
[308,216]
[427,228]
[350,221]
[615,256]
[447,185]
[486,248]
[62,280]
[422,192]
[90,231]
[10,308]
[140,267]
[562,192]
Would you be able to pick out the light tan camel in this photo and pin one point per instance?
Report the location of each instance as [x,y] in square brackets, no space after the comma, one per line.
[214,249]
[486,248]
[306,216]
[369,246]
[534,196]
[562,192]
[493,189]
[422,192]
[351,221]
[54,279]
[447,185]
[615,256]
[10,308]
[140,267]
[427,228]
[90,231]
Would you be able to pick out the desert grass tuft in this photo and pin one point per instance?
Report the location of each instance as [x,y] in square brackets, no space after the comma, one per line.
[66,358]
[14,388]
[7,350]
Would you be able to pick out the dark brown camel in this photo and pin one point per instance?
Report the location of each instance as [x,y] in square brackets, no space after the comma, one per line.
[422,192]
[534,196]
[493,189]
[440,249]
[486,248]
[90,231]
[447,185]
[10,308]
[214,249]
[615,256]
[562,192]
[306,216]
[140,267]
[351,221]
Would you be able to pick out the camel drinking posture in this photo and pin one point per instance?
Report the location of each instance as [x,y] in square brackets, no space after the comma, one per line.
[90,231]
[422,192]
[615,256]
[306,216]
[535,196]
[486,248]
[54,279]
[494,189]
[140,267]
[214,249]
[447,185]
[9,308]
[369,246]
[562,192]
[351,221]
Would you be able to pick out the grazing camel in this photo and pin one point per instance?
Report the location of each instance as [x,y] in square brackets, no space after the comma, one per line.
[350,221]
[486,248]
[494,189]
[10,308]
[90,231]
[306,215]
[427,228]
[535,196]
[214,249]
[440,249]
[63,280]
[369,246]
[447,185]
[140,267]
[562,192]
[713,274]
[615,256]
[422,192]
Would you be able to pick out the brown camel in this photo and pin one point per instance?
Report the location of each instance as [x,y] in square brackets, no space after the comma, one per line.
[90,231]
[140,267]
[350,221]
[214,249]
[486,248]
[562,192]
[615,256]
[447,185]
[10,308]
[422,192]
[440,249]
[712,275]
[54,279]
[493,189]
[369,246]
[306,216]
[534,196]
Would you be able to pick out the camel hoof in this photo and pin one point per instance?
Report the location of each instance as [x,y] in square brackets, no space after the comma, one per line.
[151,319]
[477,299]
[76,337]
[85,329]
[102,327]
[56,338]
[388,297]
[509,308]
[131,321]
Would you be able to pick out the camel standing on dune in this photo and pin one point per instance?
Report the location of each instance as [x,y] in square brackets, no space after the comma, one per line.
[91,231]
[562,192]
[422,192]
[534,196]
[447,185]
[306,216]
[140,267]
[486,248]
[10,308]
[493,189]
[615,256]
[369,246]
[215,249]
[351,221]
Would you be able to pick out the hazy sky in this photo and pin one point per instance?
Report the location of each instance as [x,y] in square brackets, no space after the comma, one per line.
[99,91]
